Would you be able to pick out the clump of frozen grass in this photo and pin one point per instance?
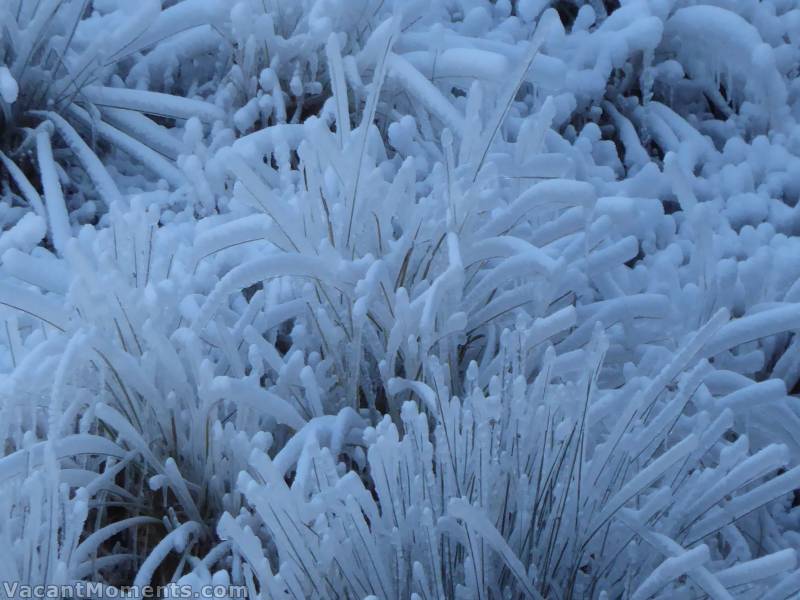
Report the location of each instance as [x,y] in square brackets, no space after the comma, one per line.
[553,487]
[60,62]
[125,369]
[395,261]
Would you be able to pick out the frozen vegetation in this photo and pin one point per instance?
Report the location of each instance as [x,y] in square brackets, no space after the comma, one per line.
[430,299]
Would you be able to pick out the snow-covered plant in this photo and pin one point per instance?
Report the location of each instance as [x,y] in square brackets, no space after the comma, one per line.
[394,261]
[61,63]
[121,373]
[554,487]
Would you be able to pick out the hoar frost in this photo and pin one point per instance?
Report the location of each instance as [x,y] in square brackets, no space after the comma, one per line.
[401,299]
